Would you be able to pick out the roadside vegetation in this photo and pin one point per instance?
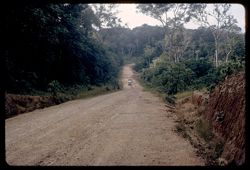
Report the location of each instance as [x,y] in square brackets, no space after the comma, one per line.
[77,46]
[184,59]
[191,124]
[54,47]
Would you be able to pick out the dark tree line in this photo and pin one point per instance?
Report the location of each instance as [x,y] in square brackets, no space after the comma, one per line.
[55,42]
[132,43]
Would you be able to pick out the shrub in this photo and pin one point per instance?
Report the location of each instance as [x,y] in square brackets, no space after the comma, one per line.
[216,75]
[170,99]
[54,87]
[204,129]
[199,67]
[169,77]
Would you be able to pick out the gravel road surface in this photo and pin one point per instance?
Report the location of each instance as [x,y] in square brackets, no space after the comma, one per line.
[128,127]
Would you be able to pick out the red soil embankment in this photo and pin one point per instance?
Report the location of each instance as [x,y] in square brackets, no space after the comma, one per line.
[16,104]
[226,112]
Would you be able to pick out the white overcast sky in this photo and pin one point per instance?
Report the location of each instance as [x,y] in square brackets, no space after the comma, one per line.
[128,14]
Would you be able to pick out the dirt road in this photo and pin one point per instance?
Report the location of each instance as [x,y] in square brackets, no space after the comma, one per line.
[129,127]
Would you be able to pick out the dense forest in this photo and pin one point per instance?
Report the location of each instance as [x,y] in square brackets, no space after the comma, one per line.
[195,68]
[173,59]
[79,44]
[56,45]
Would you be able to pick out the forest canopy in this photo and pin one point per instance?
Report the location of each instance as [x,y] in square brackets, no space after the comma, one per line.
[55,42]
[86,44]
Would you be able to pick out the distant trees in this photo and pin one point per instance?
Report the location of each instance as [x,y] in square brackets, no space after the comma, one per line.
[107,15]
[172,17]
[131,44]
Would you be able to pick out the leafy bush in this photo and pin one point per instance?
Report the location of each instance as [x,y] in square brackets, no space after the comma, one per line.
[170,99]
[168,77]
[216,75]
[200,67]
[54,87]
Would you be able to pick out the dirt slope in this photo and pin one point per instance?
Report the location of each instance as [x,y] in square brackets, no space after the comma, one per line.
[129,127]
[16,104]
[226,112]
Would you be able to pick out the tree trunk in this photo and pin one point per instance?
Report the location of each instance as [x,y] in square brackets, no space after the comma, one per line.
[175,59]
[216,53]
[216,58]
[227,56]
[196,58]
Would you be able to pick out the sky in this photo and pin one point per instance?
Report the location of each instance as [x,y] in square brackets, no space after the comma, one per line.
[128,14]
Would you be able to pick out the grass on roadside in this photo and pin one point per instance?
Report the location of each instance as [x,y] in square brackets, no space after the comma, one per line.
[183,94]
[35,99]
[146,87]
[164,97]
[94,91]
[192,125]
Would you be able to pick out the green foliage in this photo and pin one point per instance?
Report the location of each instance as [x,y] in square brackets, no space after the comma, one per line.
[107,17]
[55,42]
[230,68]
[219,74]
[54,87]
[199,67]
[169,77]
[170,99]
[132,43]
[58,42]
[194,71]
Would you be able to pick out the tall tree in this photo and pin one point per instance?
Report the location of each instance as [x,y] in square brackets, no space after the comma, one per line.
[107,18]
[107,15]
[223,21]
[231,37]
[172,17]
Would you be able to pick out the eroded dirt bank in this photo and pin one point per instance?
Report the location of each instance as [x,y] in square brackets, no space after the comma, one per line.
[16,104]
[215,123]
[226,112]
